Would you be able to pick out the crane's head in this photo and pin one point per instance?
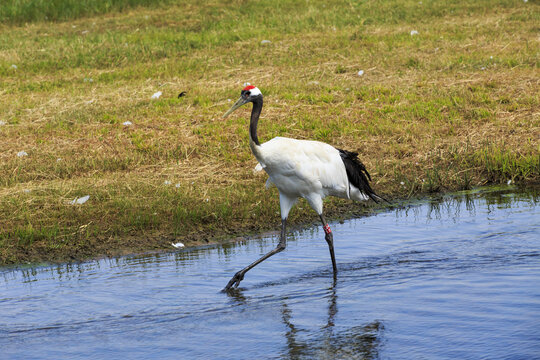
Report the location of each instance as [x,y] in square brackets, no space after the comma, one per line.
[249,94]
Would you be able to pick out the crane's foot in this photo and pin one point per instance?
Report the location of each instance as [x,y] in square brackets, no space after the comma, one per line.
[235,281]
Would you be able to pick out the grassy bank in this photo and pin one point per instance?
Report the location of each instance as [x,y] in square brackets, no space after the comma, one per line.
[453,106]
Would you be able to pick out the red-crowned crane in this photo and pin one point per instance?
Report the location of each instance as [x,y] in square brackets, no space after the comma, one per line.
[302,168]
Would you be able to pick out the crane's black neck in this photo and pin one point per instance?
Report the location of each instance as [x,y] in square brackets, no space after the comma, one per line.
[255,113]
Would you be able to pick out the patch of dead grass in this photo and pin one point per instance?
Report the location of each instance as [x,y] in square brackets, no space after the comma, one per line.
[427,112]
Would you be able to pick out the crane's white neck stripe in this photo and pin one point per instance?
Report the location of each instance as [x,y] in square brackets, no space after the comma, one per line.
[255,92]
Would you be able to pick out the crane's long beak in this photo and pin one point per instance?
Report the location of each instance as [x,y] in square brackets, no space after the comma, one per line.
[236,105]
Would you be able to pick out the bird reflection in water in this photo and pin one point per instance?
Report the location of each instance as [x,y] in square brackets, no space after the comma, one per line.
[329,341]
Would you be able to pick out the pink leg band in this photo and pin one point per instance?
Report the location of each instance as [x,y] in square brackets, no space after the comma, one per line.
[327,229]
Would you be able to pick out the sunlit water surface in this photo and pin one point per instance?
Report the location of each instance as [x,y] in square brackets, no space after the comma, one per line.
[452,278]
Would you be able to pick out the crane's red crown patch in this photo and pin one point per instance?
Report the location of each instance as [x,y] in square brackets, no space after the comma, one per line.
[249,87]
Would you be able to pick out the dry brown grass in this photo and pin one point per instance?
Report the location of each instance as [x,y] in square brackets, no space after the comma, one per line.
[453,107]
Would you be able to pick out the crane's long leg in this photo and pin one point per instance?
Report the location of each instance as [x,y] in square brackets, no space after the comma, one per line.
[329,237]
[239,276]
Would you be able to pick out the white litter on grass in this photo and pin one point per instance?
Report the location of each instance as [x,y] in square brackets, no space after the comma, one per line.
[167,182]
[80,201]
[178,245]
[26,191]
[258,168]
[177,185]
[361,72]
[84,32]
[22,153]
[127,123]
[229,100]
[508,182]
[265,42]
[88,80]
[402,183]
[2,123]
[59,159]
[13,66]
[157,95]
[414,32]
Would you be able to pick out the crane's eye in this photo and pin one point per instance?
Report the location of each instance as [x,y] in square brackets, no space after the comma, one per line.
[248,93]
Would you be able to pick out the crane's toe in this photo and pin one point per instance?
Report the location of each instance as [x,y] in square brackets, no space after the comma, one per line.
[235,281]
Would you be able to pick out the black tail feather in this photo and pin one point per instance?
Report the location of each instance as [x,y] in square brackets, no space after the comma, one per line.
[358,175]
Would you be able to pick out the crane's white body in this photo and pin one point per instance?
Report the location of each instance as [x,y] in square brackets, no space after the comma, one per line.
[304,168]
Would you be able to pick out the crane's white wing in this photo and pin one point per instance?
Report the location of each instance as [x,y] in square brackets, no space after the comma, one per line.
[302,168]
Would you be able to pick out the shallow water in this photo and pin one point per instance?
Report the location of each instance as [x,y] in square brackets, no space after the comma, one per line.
[450,278]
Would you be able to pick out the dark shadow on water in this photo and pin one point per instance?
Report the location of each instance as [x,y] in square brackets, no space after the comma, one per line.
[329,341]
[357,342]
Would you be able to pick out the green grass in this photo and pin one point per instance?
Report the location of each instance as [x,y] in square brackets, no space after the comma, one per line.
[500,163]
[450,108]
[25,11]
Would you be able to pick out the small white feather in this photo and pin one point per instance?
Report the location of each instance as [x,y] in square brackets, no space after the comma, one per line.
[81,200]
